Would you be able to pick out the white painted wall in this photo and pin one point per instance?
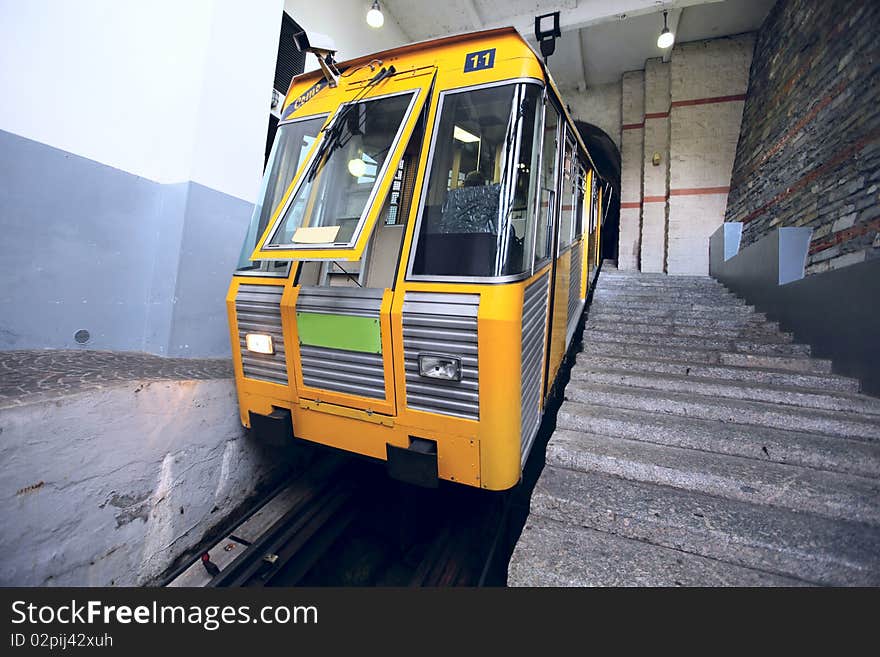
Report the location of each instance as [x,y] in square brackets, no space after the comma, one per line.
[599,105]
[345,22]
[233,113]
[170,91]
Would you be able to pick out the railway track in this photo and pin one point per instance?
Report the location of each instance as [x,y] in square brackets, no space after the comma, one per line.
[344,523]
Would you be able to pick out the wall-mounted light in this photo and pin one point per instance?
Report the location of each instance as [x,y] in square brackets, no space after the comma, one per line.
[666,38]
[375,18]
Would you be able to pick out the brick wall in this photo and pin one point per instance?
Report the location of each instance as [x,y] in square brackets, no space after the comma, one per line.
[809,151]
[708,84]
[631,153]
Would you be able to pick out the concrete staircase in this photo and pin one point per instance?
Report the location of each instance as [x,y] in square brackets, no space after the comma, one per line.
[698,445]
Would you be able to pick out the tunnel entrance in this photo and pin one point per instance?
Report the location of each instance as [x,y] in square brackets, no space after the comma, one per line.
[606,157]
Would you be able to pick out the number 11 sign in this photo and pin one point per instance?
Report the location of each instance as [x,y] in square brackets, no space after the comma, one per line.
[480,60]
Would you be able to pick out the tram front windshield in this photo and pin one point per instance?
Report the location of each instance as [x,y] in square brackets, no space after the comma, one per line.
[338,187]
[478,211]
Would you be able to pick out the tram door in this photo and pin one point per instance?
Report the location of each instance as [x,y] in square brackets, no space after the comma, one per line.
[343,226]
[546,247]
[349,303]
[563,240]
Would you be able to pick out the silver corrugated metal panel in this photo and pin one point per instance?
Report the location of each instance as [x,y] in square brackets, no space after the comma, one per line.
[574,286]
[443,324]
[534,337]
[338,370]
[575,305]
[350,372]
[358,301]
[258,310]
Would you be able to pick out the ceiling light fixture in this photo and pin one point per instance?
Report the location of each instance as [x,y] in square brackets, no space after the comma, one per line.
[375,18]
[666,38]
[357,167]
[463,135]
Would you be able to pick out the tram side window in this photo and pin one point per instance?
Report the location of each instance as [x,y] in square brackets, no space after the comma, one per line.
[292,143]
[478,210]
[548,184]
[566,201]
[579,201]
[594,202]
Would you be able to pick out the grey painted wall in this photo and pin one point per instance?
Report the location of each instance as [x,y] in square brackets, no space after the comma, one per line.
[140,265]
[836,312]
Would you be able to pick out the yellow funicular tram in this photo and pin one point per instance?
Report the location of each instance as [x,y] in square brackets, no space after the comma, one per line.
[416,268]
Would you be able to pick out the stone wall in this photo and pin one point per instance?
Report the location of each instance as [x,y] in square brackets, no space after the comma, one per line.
[809,151]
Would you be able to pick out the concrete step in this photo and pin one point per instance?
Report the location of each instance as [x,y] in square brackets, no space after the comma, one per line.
[787,446]
[734,411]
[631,273]
[702,356]
[816,365]
[806,546]
[747,390]
[647,286]
[696,342]
[670,308]
[642,287]
[663,291]
[627,296]
[672,301]
[551,553]
[650,330]
[645,277]
[737,323]
[829,382]
[830,494]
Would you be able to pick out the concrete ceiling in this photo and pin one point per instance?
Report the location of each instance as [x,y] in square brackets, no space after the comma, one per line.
[600,39]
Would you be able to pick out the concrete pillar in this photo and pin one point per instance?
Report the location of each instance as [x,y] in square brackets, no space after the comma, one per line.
[655,180]
[632,151]
[709,80]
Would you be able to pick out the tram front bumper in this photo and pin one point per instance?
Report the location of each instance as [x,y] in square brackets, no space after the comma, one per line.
[275,428]
[416,464]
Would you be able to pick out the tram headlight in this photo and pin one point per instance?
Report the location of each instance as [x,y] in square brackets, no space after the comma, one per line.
[440,367]
[259,343]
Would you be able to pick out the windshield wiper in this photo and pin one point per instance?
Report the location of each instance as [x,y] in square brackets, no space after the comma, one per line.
[333,131]
[351,276]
